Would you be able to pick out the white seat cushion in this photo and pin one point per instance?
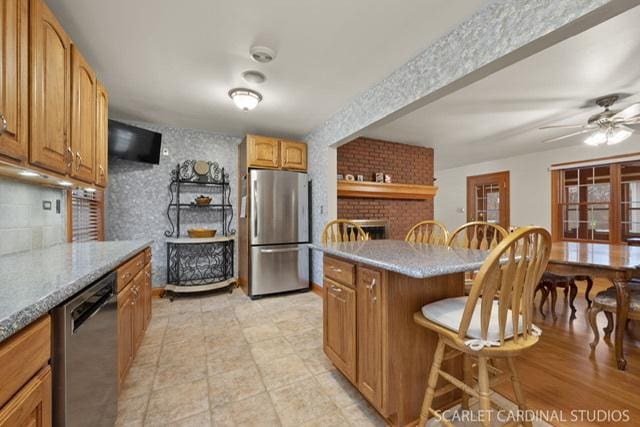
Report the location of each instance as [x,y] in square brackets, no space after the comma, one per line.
[448,313]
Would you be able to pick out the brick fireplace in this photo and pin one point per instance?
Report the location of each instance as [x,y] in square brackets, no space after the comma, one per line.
[407,164]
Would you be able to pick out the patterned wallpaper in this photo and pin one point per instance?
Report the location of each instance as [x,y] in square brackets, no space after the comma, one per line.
[488,36]
[138,192]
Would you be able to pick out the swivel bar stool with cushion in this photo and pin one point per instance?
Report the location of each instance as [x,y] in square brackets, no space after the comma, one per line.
[494,321]
[476,235]
[342,230]
[430,232]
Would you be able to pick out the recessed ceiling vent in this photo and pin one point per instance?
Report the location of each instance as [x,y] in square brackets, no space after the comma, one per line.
[252,76]
[262,54]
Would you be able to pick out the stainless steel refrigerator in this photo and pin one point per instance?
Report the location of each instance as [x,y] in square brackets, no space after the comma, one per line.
[278,232]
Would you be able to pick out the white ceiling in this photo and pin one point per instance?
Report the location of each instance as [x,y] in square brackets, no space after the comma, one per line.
[173,62]
[499,116]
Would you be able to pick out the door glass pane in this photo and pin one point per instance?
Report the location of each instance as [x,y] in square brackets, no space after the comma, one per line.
[487,203]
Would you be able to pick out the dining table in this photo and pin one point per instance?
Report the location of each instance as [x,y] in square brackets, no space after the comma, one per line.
[616,262]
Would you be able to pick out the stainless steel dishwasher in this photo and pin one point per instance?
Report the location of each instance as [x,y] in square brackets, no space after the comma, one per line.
[85,358]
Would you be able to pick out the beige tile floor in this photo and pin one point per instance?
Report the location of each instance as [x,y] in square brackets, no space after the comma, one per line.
[224,360]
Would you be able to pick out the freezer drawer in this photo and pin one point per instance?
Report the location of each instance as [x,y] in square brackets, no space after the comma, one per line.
[278,268]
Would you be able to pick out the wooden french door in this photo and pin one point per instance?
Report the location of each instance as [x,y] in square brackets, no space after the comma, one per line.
[488,198]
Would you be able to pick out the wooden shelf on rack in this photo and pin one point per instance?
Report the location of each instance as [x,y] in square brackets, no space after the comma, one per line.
[378,190]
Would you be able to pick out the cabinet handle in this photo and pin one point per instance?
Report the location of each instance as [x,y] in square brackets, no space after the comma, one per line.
[133,302]
[337,270]
[101,170]
[4,124]
[371,288]
[79,162]
[336,289]
[70,153]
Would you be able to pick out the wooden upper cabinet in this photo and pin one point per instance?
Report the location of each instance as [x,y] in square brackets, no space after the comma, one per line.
[83,117]
[102,136]
[293,155]
[50,65]
[263,152]
[14,74]
[370,368]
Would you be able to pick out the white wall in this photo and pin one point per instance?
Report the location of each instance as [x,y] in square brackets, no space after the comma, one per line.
[530,184]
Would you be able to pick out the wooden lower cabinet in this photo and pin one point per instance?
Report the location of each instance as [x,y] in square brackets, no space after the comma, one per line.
[134,308]
[339,332]
[32,405]
[369,320]
[25,376]
[126,303]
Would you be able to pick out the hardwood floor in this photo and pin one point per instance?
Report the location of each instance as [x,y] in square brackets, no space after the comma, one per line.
[561,373]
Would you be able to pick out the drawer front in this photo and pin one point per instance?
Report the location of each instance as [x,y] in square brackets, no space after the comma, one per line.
[23,355]
[147,255]
[128,270]
[340,271]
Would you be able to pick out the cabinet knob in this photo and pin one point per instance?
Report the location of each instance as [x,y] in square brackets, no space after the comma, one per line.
[3,124]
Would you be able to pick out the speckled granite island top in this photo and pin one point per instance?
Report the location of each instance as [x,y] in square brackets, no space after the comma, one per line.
[34,282]
[412,259]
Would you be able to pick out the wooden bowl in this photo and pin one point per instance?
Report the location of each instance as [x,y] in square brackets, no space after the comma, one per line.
[201,232]
[202,200]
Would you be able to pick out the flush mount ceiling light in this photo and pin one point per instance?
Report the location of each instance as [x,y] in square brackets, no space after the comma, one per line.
[245,99]
[262,54]
[252,76]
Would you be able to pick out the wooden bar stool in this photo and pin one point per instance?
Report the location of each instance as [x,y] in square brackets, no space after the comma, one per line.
[476,235]
[342,230]
[494,322]
[430,232]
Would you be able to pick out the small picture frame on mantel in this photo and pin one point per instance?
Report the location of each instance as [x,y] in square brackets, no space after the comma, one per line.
[379,177]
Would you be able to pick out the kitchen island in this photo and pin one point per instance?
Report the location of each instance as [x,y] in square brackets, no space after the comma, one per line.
[371,289]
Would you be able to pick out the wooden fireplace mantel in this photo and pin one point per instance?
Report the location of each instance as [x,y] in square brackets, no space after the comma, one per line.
[378,190]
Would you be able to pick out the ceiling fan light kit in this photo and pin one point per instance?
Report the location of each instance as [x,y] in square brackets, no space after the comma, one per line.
[607,127]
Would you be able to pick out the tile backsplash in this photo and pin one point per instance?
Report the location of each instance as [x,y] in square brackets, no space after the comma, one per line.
[24,223]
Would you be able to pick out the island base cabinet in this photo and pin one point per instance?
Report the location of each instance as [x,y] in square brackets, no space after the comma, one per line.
[32,405]
[126,303]
[339,332]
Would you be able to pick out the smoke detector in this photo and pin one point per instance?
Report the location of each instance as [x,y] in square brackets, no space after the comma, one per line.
[262,54]
[252,76]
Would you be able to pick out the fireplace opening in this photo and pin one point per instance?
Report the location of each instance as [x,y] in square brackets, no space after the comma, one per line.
[375,228]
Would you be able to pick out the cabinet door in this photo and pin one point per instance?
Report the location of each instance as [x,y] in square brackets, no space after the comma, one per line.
[263,152]
[339,333]
[138,310]
[83,117]
[102,136]
[31,406]
[126,305]
[147,295]
[14,75]
[293,155]
[370,335]
[50,77]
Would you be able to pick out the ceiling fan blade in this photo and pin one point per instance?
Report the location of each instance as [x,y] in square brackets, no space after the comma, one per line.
[628,113]
[564,126]
[567,136]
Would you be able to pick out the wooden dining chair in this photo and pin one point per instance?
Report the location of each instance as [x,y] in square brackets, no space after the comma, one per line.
[606,302]
[476,235]
[342,230]
[431,232]
[494,322]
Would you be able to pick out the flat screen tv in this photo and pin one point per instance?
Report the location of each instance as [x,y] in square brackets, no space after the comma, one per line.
[134,143]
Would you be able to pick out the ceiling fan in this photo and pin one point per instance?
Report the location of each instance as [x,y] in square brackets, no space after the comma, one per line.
[607,127]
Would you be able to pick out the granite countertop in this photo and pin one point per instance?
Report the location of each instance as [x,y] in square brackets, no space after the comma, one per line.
[412,259]
[34,282]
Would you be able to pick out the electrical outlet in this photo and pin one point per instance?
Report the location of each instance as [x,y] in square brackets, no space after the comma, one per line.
[165,151]
[46,205]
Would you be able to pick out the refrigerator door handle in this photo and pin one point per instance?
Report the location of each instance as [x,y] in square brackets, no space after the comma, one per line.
[254,207]
[279,251]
